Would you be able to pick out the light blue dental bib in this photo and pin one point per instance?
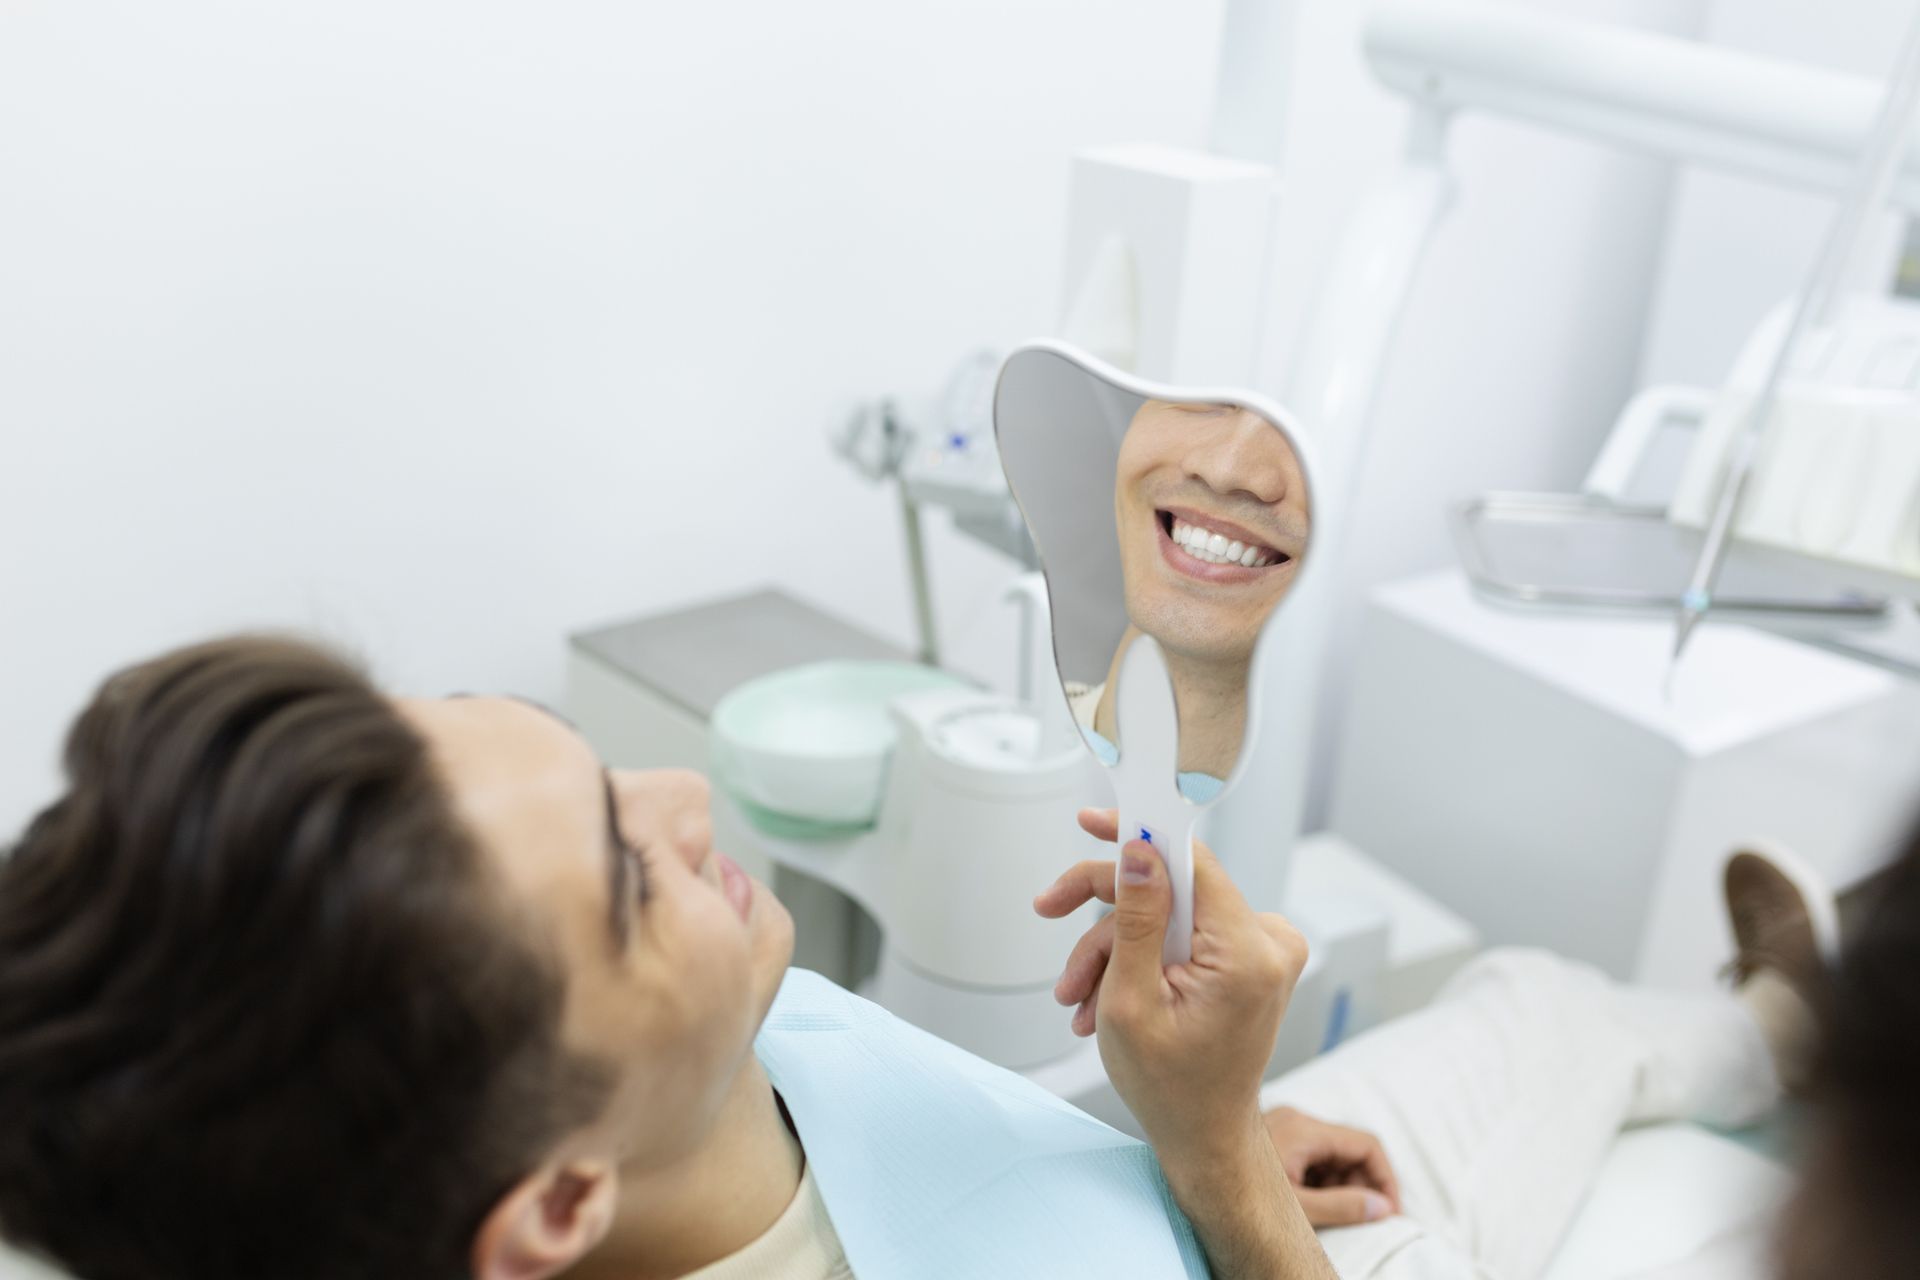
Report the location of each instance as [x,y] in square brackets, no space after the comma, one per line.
[936,1164]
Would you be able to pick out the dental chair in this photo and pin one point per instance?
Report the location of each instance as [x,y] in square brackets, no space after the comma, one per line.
[1633,1223]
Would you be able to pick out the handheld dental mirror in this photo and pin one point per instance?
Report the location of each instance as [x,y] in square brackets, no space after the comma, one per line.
[1170,523]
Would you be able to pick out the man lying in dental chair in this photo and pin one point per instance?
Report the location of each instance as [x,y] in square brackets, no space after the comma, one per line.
[300,981]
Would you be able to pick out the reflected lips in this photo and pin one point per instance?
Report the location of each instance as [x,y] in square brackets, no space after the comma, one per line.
[1193,567]
[735,883]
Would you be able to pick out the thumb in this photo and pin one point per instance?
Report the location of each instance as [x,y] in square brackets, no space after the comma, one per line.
[1143,900]
[1342,1206]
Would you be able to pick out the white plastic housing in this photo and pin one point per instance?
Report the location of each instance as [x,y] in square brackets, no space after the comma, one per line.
[1165,262]
[1837,478]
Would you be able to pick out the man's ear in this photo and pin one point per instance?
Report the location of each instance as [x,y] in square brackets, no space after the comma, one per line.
[547,1221]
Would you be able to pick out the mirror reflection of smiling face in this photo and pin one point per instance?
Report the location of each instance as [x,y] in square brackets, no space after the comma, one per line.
[1211,511]
[1212,516]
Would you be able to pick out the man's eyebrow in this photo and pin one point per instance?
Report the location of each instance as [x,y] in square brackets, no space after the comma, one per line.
[620,854]
[620,867]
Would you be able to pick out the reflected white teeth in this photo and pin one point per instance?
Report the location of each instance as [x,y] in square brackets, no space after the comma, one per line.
[1214,548]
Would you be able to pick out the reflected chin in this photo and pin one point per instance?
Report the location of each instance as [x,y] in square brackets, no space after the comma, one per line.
[1205,612]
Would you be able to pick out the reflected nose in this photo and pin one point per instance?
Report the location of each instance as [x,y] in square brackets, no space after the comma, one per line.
[1244,455]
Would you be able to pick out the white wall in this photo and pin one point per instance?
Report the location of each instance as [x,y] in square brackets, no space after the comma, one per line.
[446,328]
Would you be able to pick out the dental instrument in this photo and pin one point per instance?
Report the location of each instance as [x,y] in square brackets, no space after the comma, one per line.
[941,457]
[1866,193]
[1627,542]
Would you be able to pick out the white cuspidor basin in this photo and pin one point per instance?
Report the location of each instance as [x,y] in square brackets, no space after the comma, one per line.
[811,744]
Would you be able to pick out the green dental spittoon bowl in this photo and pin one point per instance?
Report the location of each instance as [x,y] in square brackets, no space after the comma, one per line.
[804,752]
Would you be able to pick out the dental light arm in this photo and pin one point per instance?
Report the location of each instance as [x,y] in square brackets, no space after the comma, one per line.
[1672,97]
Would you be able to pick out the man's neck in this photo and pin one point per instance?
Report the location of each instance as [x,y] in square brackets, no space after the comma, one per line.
[714,1203]
[1212,702]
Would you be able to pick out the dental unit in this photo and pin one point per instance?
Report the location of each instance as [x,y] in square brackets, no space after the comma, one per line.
[933,804]
[938,806]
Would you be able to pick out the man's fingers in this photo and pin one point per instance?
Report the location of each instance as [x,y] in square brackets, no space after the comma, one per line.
[1086,1017]
[1219,909]
[1081,883]
[1211,883]
[1101,824]
[1367,1162]
[1380,1173]
[1143,901]
[1080,979]
[1342,1206]
[1361,1161]
[1289,945]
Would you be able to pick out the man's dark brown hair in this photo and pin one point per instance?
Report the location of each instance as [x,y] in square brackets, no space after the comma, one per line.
[1857,1213]
[262,1016]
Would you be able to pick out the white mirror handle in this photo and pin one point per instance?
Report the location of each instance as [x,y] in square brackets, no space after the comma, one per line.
[1176,850]
[1146,782]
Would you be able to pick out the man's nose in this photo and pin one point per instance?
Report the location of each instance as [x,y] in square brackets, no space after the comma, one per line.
[693,835]
[691,826]
[1241,459]
[667,809]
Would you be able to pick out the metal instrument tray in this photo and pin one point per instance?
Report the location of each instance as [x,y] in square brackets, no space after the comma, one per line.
[1576,551]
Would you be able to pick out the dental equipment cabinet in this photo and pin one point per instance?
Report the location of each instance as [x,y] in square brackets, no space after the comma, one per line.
[1156,282]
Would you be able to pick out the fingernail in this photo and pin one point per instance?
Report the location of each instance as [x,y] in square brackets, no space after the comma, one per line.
[1135,869]
[1378,1206]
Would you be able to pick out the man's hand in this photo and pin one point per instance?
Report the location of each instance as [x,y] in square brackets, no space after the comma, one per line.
[1340,1176]
[1185,1046]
